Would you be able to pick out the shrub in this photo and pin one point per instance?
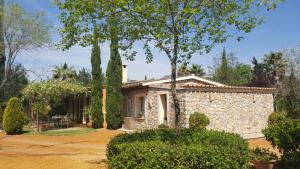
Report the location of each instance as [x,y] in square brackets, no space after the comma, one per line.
[290,161]
[284,134]
[275,117]
[164,149]
[259,154]
[163,126]
[198,121]
[13,117]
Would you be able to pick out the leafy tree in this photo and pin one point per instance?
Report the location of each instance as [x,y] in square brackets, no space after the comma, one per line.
[16,81]
[84,77]
[64,72]
[292,99]
[114,95]
[13,117]
[182,28]
[96,98]
[178,28]
[275,67]
[231,72]
[2,47]
[23,31]
[195,69]
[259,75]
[41,109]
[242,75]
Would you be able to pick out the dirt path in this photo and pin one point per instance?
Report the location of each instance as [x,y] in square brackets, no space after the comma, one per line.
[55,152]
[63,152]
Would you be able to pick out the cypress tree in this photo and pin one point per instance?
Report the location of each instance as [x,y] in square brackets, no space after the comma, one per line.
[224,69]
[2,47]
[114,96]
[96,99]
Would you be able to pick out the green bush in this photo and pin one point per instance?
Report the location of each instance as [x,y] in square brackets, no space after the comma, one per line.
[275,117]
[13,117]
[285,135]
[191,149]
[198,121]
[290,161]
[163,126]
[259,154]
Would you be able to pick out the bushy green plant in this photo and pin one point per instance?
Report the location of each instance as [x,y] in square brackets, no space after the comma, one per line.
[13,117]
[261,154]
[285,135]
[198,121]
[275,117]
[290,161]
[163,126]
[164,149]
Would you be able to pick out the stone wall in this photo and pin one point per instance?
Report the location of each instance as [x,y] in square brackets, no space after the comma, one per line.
[238,112]
[242,113]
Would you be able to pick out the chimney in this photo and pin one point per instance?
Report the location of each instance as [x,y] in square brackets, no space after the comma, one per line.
[124,74]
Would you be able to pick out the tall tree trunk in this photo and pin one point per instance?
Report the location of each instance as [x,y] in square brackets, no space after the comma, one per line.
[173,85]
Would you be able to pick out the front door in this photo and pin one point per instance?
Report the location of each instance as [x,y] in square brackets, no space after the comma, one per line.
[162,114]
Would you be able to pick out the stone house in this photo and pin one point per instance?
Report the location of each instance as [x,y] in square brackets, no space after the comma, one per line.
[241,110]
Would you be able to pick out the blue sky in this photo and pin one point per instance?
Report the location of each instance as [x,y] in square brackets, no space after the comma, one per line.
[280,30]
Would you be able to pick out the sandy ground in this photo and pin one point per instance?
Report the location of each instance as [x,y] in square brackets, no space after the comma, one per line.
[55,152]
[63,152]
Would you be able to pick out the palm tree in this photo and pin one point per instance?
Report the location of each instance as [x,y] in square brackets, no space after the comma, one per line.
[63,72]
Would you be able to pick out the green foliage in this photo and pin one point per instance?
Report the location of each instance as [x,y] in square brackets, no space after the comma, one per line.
[2,48]
[197,70]
[198,121]
[52,89]
[96,98]
[232,72]
[261,154]
[41,109]
[290,161]
[25,31]
[276,117]
[13,117]
[16,80]
[64,72]
[179,29]
[192,149]
[163,126]
[114,97]
[84,77]
[284,135]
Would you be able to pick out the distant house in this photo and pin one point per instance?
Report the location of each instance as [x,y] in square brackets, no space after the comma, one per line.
[242,110]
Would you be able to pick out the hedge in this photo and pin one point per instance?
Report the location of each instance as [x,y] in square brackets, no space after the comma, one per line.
[192,149]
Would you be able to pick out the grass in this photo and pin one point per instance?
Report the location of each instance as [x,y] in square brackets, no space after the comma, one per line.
[29,131]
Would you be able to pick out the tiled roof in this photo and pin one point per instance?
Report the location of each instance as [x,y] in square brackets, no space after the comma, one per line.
[195,85]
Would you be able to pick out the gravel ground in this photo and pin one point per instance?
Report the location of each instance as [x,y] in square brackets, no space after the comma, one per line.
[55,152]
[64,152]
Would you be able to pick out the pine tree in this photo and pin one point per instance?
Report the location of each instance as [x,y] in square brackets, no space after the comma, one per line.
[114,82]
[96,99]
[2,47]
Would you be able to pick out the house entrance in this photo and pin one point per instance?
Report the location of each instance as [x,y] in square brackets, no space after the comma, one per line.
[162,113]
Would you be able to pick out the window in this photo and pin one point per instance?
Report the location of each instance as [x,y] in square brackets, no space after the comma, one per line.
[140,107]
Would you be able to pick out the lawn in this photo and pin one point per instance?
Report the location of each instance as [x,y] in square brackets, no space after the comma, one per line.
[64,132]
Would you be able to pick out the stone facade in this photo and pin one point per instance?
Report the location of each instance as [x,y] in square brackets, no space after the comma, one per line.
[242,112]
